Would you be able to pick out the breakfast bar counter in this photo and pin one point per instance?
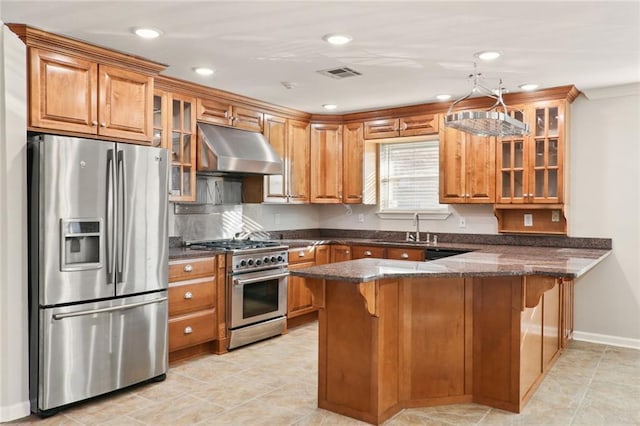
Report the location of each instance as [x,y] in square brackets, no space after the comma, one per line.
[480,327]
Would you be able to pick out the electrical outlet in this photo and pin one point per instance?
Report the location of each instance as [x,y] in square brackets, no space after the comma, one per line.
[528,219]
[462,223]
[361,217]
[555,215]
[276,218]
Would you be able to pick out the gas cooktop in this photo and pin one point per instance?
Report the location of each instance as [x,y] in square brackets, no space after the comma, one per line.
[231,244]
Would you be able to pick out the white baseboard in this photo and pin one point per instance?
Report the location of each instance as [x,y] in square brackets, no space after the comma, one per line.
[606,339]
[15,411]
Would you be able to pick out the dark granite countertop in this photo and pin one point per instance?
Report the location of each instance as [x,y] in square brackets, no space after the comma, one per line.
[184,253]
[486,260]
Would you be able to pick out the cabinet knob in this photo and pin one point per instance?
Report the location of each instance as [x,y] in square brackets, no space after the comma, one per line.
[103,124]
[404,255]
[188,268]
[367,253]
[346,252]
[188,295]
[94,123]
[188,330]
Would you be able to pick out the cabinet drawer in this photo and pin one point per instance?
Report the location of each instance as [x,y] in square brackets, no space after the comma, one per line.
[359,252]
[192,295]
[186,269]
[302,254]
[405,254]
[192,329]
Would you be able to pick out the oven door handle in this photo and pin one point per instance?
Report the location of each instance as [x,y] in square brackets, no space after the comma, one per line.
[240,281]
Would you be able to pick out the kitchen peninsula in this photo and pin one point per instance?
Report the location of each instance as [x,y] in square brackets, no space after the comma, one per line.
[480,327]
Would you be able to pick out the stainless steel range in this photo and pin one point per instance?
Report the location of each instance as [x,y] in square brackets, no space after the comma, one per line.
[256,288]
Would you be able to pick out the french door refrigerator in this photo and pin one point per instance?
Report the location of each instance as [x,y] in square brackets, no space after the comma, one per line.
[98,268]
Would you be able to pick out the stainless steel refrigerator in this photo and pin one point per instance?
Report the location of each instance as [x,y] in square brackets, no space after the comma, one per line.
[98,268]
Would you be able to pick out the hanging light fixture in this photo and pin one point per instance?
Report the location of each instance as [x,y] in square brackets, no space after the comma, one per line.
[494,121]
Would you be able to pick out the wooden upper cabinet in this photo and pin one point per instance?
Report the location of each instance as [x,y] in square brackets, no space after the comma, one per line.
[275,186]
[72,94]
[467,168]
[226,114]
[530,168]
[352,163]
[417,125]
[326,163]
[125,104]
[298,157]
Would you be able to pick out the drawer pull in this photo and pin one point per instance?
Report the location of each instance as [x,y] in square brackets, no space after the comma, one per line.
[188,295]
[368,253]
[404,255]
[301,253]
[188,268]
[188,330]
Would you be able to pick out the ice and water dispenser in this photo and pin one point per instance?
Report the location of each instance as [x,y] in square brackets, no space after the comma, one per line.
[81,242]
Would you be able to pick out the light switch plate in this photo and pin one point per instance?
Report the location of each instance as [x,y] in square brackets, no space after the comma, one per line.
[555,215]
[528,219]
[360,217]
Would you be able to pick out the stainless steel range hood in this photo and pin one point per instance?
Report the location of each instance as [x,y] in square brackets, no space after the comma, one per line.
[225,150]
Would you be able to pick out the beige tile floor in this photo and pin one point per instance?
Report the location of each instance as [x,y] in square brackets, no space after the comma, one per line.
[274,383]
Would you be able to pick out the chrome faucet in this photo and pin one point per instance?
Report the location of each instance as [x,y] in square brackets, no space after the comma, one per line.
[417,217]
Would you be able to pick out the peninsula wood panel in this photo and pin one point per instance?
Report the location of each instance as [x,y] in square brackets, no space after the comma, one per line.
[433,339]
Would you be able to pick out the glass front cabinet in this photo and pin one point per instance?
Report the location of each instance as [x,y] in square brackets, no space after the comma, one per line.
[175,129]
[530,167]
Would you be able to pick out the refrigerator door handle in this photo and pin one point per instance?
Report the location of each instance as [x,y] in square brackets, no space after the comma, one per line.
[105,310]
[122,190]
[109,216]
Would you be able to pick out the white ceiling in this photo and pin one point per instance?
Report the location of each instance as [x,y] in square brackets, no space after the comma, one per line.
[407,52]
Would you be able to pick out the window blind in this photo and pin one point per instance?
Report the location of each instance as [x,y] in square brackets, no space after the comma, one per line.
[409,177]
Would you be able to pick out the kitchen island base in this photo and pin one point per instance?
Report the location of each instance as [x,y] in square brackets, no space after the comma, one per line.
[396,343]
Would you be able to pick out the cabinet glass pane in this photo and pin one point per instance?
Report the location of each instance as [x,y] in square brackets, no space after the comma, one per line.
[506,155]
[157,111]
[518,154]
[518,115]
[553,153]
[186,121]
[176,115]
[186,148]
[539,183]
[175,147]
[540,153]
[553,182]
[186,181]
[540,122]
[553,121]
[506,184]
[175,180]
[517,184]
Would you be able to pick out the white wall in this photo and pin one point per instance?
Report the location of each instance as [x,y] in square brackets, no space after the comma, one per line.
[14,383]
[605,202]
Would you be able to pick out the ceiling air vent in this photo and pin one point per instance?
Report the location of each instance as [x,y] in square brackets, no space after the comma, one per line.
[343,72]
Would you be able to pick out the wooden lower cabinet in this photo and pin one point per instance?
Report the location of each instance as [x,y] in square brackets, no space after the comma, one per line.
[193,316]
[361,252]
[299,302]
[395,343]
[405,254]
[340,253]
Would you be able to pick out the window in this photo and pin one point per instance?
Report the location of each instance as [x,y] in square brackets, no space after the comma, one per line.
[409,177]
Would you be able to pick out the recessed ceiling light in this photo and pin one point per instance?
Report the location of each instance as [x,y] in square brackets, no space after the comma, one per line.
[528,87]
[204,71]
[337,39]
[330,106]
[147,33]
[443,97]
[488,55]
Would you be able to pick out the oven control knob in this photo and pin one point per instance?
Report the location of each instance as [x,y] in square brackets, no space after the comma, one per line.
[243,263]
[274,260]
[265,260]
[250,262]
[280,259]
[258,262]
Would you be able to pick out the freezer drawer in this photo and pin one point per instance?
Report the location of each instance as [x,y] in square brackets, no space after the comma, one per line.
[93,348]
